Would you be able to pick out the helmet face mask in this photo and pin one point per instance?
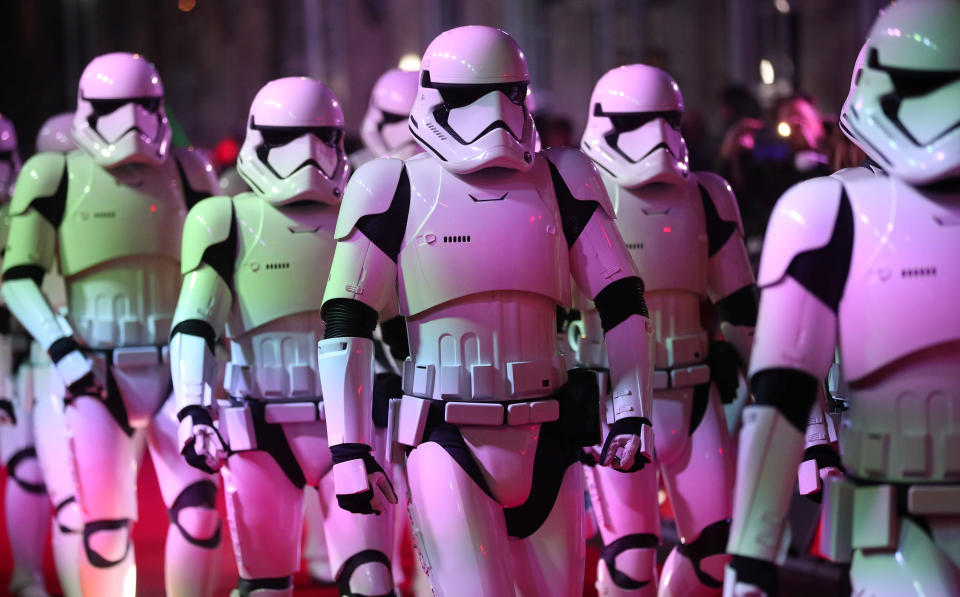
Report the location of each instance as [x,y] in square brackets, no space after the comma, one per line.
[650,146]
[904,103]
[633,131]
[297,154]
[385,129]
[469,111]
[120,117]
[397,140]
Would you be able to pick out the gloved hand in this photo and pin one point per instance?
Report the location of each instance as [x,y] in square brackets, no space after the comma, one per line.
[749,577]
[820,463]
[359,481]
[200,442]
[629,445]
[75,370]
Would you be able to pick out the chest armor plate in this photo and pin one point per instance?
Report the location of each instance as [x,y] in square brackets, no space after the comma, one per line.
[665,230]
[484,232]
[106,218]
[283,260]
[904,275]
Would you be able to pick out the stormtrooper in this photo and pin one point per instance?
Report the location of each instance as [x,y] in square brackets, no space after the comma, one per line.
[42,392]
[684,234]
[252,265]
[385,134]
[25,496]
[481,235]
[866,260]
[110,215]
[385,131]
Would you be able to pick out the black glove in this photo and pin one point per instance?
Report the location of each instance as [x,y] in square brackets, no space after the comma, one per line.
[367,501]
[759,573]
[627,426]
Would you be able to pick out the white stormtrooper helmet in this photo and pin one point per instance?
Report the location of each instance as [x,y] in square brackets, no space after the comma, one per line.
[470,111]
[120,118]
[55,134]
[903,109]
[531,103]
[9,157]
[385,130]
[633,128]
[293,150]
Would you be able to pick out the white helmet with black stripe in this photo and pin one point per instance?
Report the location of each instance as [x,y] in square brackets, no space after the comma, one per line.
[903,109]
[470,111]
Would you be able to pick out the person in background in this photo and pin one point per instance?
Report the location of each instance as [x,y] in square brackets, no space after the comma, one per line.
[763,160]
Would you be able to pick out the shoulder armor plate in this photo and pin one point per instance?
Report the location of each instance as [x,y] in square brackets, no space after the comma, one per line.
[207,224]
[723,198]
[197,171]
[370,191]
[859,173]
[802,220]
[580,176]
[40,177]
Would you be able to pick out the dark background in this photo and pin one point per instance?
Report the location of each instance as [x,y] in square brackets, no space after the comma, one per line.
[215,56]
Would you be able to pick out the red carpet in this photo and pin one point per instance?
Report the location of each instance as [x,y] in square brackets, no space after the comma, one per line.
[149,534]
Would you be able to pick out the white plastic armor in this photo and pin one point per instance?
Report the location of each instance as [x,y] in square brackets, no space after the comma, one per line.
[261,294]
[663,211]
[114,235]
[119,117]
[483,363]
[907,126]
[40,428]
[26,506]
[633,130]
[279,160]
[385,129]
[55,134]
[468,132]
[888,242]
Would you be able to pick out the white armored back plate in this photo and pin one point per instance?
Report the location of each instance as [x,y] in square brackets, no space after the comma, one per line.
[665,230]
[107,218]
[283,260]
[904,275]
[483,232]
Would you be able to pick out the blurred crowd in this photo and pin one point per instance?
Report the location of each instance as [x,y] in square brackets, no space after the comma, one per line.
[761,152]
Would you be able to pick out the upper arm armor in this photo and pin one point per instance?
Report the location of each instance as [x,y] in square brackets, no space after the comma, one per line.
[810,238]
[730,282]
[580,177]
[209,236]
[197,175]
[722,200]
[370,191]
[42,177]
[35,213]
[599,256]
